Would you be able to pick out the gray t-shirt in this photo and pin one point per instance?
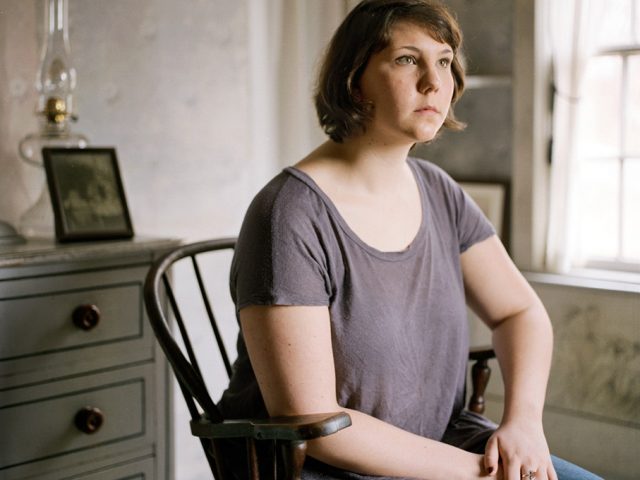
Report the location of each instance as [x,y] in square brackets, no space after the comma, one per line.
[398,319]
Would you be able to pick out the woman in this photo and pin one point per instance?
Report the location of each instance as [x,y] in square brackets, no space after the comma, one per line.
[352,267]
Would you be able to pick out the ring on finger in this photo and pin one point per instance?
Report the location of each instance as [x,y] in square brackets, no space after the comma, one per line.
[530,475]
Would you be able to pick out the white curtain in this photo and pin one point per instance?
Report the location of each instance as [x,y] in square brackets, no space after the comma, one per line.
[287,39]
[573,27]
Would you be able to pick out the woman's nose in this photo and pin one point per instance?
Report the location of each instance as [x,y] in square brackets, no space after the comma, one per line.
[429,80]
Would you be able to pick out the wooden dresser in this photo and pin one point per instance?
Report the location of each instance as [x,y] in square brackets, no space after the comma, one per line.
[84,389]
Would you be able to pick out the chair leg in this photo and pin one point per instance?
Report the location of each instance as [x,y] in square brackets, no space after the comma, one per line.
[216,461]
[252,459]
[480,373]
[293,454]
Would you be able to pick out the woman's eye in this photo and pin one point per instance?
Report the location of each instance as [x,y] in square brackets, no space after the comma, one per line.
[406,60]
[444,62]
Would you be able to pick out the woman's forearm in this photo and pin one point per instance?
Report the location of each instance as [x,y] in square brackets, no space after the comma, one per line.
[523,345]
[371,446]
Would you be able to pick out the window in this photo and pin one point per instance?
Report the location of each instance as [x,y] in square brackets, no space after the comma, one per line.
[608,144]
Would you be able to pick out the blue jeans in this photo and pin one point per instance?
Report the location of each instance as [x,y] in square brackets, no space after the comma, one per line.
[569,471]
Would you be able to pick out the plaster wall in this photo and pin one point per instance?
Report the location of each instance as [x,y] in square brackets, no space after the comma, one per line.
[167,84]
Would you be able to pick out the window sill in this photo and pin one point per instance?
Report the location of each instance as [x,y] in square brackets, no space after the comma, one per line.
[590,278]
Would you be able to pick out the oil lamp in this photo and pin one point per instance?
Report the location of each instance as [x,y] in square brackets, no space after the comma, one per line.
[55,82]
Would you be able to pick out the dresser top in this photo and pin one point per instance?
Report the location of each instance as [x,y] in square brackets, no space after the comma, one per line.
[46,251]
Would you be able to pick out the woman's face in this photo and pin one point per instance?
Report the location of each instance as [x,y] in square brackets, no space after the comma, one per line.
[410,85]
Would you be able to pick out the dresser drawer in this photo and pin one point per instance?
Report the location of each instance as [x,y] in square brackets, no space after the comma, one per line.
[144,468]
[44,322]
[61,324]
[140,470]
[49,426]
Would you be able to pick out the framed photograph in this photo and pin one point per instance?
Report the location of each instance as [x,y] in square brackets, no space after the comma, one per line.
[493,199]
[86,194]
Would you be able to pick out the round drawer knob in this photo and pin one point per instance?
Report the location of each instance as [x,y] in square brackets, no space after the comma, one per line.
[89,419]
[86,317]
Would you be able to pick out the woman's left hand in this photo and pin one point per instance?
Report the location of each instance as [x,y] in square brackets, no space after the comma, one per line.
[519,448]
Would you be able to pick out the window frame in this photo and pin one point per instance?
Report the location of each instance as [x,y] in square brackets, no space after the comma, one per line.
[619,262]
[533,98]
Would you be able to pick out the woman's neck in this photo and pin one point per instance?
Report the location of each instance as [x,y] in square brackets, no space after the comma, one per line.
[365,164]
[373,189]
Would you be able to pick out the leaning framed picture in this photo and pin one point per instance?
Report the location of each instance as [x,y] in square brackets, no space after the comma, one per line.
[87,194]
[493,199]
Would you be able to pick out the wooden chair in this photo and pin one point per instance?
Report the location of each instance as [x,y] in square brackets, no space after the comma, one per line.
[288,435]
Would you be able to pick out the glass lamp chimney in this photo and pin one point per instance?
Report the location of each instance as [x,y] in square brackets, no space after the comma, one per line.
[56,78]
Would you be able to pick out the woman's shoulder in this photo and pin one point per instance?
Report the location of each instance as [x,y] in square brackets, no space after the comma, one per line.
[302,187]
[435,178]
[287,202]
[430,171]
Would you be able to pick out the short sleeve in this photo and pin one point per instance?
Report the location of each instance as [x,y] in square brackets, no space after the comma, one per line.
[472,224]
[279,257]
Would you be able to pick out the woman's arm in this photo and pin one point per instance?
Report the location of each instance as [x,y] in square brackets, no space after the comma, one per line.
[522,339]
[290,350]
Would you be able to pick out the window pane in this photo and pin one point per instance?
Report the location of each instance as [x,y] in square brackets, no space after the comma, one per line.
[637,24]
[633,107]
[598,198]
[600,115]
[616,23]
[631,218]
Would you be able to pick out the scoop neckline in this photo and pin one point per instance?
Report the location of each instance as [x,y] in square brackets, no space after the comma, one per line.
[395,255]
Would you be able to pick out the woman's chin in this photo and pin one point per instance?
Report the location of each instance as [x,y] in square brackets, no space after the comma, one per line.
[426,136]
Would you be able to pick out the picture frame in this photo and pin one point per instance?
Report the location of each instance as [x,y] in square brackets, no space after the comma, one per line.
[493,199]
[87,194]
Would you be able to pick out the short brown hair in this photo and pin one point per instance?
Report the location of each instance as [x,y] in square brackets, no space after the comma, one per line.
[365,31]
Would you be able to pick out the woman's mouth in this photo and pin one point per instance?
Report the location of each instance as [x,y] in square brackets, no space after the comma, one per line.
[428,109]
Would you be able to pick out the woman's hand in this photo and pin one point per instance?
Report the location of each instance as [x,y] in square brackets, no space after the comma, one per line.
[517,448]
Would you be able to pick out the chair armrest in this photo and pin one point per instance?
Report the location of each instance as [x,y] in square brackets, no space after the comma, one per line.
[291,428]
